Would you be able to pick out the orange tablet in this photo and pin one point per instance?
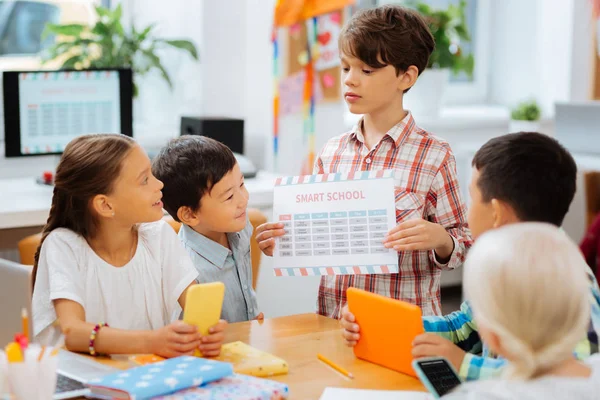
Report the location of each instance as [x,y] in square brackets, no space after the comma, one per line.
[387,329]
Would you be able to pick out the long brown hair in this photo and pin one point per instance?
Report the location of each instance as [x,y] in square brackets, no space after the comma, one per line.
[89,166]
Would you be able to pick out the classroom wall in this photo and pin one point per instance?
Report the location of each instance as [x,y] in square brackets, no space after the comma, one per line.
[158,109]
[532,42]
[258,81]
[582,52]
[234,76]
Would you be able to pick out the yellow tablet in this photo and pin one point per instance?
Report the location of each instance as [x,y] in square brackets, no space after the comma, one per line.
[203,304]
[387,329]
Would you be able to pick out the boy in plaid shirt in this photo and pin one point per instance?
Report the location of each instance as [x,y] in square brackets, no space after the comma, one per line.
[383,51]
[521,177]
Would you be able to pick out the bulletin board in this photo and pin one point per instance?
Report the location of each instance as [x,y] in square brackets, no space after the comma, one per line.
[306,63]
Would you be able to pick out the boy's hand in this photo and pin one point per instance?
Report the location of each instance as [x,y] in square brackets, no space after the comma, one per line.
[418,234]
[260,317]
[432,345]
[211,344]
[350,328]
[175,340]
[265,235]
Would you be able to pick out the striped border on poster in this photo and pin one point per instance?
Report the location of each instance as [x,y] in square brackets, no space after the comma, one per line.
[337,177]
[320,271]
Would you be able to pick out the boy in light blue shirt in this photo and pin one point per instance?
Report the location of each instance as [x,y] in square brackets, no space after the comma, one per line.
[204,190]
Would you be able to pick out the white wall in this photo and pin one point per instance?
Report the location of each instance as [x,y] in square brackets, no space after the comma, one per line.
[553,50]
[513,55]
[157,110]
[259,81]
[540,49]
[224,62]
[582,52]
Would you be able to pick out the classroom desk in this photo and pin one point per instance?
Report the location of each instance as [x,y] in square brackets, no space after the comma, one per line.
[297,339]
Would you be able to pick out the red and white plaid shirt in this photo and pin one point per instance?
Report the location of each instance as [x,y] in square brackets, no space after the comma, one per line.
[426,186]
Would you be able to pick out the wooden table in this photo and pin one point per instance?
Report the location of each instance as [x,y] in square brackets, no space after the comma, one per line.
[297,339]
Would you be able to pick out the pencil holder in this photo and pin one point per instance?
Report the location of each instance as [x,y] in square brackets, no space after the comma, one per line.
[33,379]
[3,380]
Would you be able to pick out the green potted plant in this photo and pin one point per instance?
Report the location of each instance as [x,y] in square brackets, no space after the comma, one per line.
[108,44]
[450,32]
[525,117]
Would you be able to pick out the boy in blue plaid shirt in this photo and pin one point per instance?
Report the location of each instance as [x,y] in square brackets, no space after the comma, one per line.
[520,177]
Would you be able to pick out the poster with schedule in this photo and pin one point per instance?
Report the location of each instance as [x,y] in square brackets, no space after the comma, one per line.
[335,224]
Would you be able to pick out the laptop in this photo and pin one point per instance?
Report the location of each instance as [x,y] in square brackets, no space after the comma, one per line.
[15,295]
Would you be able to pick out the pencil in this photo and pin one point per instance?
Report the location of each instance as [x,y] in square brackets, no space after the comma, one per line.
[41,355]
[335,366]
[25,322]
[60,342]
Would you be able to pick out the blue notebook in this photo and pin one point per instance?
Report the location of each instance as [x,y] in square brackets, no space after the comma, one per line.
[160,378]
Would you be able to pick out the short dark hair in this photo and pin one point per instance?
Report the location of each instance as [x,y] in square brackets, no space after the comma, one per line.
[531,172]
[189,166]
[388,35]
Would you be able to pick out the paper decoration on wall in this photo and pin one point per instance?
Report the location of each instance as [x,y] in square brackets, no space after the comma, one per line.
[330,82]
[297,56]
[289,12]
[309,95]
[291,91]
[328,33]
[312,29]
[276,78]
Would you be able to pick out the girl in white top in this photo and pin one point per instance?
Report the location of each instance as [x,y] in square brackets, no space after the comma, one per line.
[533,312]
[107,257]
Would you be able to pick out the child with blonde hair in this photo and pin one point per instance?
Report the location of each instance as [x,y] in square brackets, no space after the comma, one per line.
[528,288]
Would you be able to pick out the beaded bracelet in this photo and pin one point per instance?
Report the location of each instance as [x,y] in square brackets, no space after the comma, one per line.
[93,337]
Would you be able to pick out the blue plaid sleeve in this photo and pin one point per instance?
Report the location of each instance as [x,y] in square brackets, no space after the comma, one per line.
[458,327]
[589,345]
[476,367]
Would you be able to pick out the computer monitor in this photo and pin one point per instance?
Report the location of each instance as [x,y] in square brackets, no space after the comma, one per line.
[45,110]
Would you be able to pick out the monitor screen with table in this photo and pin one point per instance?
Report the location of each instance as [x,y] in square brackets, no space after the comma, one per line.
[45,110]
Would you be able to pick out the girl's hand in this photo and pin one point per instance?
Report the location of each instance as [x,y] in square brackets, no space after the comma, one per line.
[211,345]
[175,340]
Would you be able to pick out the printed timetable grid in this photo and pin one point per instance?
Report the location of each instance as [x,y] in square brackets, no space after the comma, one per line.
[335,224]
[56,107]
[334,233]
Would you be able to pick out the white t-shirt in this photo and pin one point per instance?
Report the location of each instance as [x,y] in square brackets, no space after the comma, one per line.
[548,387]
[141,295]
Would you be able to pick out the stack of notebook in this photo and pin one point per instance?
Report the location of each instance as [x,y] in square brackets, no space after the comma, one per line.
[185,378]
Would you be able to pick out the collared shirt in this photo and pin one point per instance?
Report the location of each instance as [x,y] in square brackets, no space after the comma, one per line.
[426,186]
[216,263]
[479,363]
